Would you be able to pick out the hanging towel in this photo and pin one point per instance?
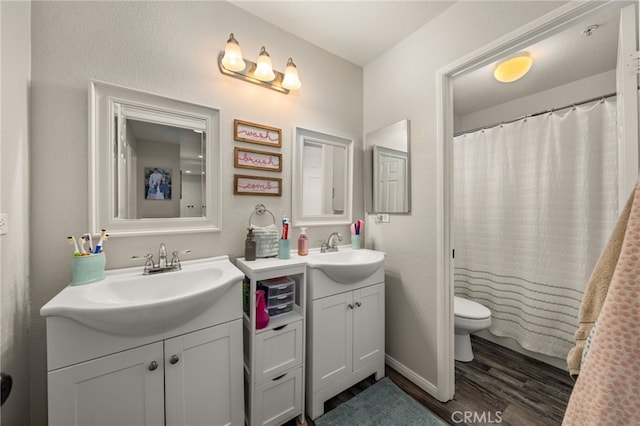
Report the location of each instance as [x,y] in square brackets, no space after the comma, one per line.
[606,392]
[597,289]
[266,240]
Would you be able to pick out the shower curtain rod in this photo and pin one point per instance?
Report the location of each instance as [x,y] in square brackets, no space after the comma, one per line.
[602,98]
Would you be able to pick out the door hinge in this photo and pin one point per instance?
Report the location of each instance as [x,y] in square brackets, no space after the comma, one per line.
[632,64]
[453,253]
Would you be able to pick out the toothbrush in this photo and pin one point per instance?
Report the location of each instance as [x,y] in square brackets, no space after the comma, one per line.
[72,240]
[359,226]
[83,252]
[87,237]
[353,229]
[103,237]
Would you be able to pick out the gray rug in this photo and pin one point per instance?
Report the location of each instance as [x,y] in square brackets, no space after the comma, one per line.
[382,404]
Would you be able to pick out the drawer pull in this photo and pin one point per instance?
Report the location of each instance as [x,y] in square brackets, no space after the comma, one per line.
[358,304]
[279,377]
[350,306]
[280,327]
[174,359]
[153,365]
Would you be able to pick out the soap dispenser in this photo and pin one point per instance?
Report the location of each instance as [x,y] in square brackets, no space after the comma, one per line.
[250,246]
[303,243]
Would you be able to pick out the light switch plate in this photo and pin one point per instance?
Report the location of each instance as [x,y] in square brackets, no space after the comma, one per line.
[3,223]
[382,218]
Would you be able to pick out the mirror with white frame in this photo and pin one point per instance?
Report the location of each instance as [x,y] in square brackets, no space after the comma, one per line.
[387,169]
[154,163]
[322,182]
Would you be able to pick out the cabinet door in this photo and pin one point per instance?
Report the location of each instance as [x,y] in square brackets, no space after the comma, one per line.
[278,400]
[368,325]
[277,351]
[332,333]
[203,375]
[120,389]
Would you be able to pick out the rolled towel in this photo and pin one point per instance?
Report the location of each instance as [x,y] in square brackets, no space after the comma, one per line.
[266,240]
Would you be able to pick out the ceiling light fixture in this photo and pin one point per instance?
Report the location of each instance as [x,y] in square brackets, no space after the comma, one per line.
[513,68]
[261,73]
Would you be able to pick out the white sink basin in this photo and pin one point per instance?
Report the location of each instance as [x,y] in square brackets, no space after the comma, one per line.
[349,266]
[127,302]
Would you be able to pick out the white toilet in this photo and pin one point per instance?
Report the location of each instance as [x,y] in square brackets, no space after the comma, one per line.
[469,317]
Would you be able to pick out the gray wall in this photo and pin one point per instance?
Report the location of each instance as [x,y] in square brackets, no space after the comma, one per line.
[409,92]
[169,48]
[15,37]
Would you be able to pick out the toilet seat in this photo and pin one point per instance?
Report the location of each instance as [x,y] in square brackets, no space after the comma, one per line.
[465,308]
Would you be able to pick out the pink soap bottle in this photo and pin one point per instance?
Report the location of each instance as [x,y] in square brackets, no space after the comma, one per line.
[303,243]
[262,316]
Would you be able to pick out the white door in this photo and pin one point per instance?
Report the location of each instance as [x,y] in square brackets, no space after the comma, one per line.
[125,388]
[204,377]
[368,325]
[312,181]
[332,334]
[391,170]
[627,88]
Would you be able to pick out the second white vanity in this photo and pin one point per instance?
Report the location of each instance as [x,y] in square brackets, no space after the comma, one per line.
[345,323]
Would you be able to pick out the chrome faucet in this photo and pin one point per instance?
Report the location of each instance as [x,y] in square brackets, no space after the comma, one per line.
[330,245]
[150,267]
[162,256]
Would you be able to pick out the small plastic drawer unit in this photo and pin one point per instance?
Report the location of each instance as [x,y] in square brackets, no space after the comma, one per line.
[280,294]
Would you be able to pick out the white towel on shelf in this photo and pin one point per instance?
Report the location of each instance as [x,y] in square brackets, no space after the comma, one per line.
[266,240]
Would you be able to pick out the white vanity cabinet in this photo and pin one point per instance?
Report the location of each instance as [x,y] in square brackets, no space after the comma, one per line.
[345,324]
[189,377]
[187,374]
[274,356]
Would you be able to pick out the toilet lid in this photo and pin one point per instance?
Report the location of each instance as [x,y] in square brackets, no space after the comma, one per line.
[465,308]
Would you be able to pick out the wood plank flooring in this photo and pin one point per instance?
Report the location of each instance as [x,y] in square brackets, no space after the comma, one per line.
[499,386]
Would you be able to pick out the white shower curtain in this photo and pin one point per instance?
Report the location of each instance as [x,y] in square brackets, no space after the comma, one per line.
[535,202]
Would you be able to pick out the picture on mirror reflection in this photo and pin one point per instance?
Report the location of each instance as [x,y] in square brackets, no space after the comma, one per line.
[157,183]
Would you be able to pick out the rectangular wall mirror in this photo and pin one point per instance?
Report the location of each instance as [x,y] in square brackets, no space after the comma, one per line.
[154,163]
[322,179]
[387,172]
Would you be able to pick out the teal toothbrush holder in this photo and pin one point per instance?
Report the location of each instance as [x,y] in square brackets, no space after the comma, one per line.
[355,242]
[284,249]
[87,269]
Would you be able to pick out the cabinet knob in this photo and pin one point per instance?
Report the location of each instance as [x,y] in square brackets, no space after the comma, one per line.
[174,359]
[350,306]
[153,365]
[358,304]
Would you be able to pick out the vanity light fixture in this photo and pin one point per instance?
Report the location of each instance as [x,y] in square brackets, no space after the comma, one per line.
[513,68]
[261,73]
[264,69]
[232,59]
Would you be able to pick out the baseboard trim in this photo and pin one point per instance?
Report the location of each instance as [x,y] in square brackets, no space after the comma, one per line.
[414,377]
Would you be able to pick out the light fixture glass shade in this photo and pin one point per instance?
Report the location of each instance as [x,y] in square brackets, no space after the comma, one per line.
[514,68]
[264,69]
[291,80]
[232,59]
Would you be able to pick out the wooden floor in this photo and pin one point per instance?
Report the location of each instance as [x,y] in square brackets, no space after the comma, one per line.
[499,386]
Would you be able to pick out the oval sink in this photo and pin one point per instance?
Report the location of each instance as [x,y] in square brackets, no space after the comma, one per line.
[127,302]
[349,266]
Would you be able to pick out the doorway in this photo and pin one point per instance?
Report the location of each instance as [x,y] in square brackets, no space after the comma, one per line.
[552,23]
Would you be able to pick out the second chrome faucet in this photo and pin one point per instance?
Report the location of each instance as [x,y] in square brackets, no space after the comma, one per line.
[330,245]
